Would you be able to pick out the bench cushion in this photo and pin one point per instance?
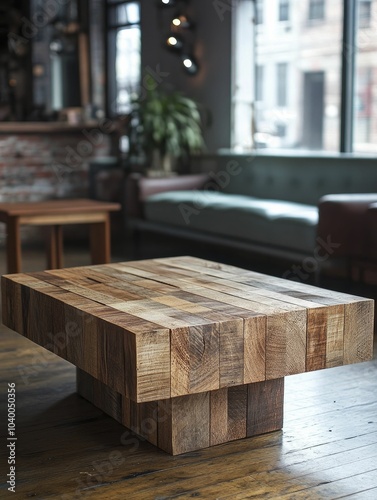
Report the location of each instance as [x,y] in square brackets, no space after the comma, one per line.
[273,222]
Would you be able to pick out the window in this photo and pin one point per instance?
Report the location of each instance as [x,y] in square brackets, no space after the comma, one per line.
[281,130]
[316,10]
[258,11]
[283,10]
[324,95]
[98,56]
[243,78]
[259,77]
[124,66]
[282,73]
[297,78]
[363,107]
[365,94]
[364,13]
[41,61]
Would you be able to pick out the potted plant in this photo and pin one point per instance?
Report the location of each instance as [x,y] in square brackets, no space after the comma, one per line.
[166,126]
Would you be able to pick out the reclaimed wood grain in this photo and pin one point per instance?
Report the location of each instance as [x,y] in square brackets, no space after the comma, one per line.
[316,339]
[265,407]
[188,423]
[123,341]
[335,336]
[191,341]
[255,349]
[70,448]
[237,412]
[219,416]
[358,345]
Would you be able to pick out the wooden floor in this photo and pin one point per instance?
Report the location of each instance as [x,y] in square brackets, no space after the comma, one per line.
[67,449]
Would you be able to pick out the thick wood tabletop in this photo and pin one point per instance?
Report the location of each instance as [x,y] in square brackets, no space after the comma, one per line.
[56,207]
[163,328]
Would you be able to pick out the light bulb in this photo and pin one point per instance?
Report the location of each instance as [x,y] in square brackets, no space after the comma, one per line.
[181,21]
[190,64]
[172,40]
[166,3]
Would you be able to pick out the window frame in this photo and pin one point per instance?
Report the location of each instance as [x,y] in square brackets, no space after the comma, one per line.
[365,21]
[259,82]
[348,75]
[282,70]
[284,10]
[111,30]
[314,7]
[259,12]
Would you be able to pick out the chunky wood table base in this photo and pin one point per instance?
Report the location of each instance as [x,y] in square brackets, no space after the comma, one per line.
[193,349]
[188,423]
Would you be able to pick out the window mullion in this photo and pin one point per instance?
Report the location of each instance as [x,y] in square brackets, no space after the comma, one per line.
[348,76]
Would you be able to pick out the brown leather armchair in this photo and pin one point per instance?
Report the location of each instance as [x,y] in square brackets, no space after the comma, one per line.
[349,221]
[372,233]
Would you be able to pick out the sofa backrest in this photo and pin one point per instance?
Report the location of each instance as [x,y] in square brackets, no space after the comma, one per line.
[303,179]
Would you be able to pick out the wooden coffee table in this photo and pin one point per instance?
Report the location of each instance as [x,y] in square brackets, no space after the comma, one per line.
[55,214]
[185,352]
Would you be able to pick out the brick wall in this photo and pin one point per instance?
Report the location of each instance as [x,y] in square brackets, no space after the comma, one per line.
[35,167]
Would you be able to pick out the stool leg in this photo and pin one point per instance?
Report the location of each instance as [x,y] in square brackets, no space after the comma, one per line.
[55,248]
[13,246]
[100,245]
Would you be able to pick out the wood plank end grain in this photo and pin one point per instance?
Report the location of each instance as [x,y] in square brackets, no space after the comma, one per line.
[265,410]
[358,331]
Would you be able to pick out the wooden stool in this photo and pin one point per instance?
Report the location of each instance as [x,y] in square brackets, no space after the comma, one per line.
[57,213]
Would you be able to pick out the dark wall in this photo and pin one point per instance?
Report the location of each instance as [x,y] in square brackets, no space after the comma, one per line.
[211,87]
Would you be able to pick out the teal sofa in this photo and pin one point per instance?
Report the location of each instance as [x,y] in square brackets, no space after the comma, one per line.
[263,203]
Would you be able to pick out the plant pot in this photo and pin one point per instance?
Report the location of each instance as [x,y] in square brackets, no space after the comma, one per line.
[162,164]
[168,163]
